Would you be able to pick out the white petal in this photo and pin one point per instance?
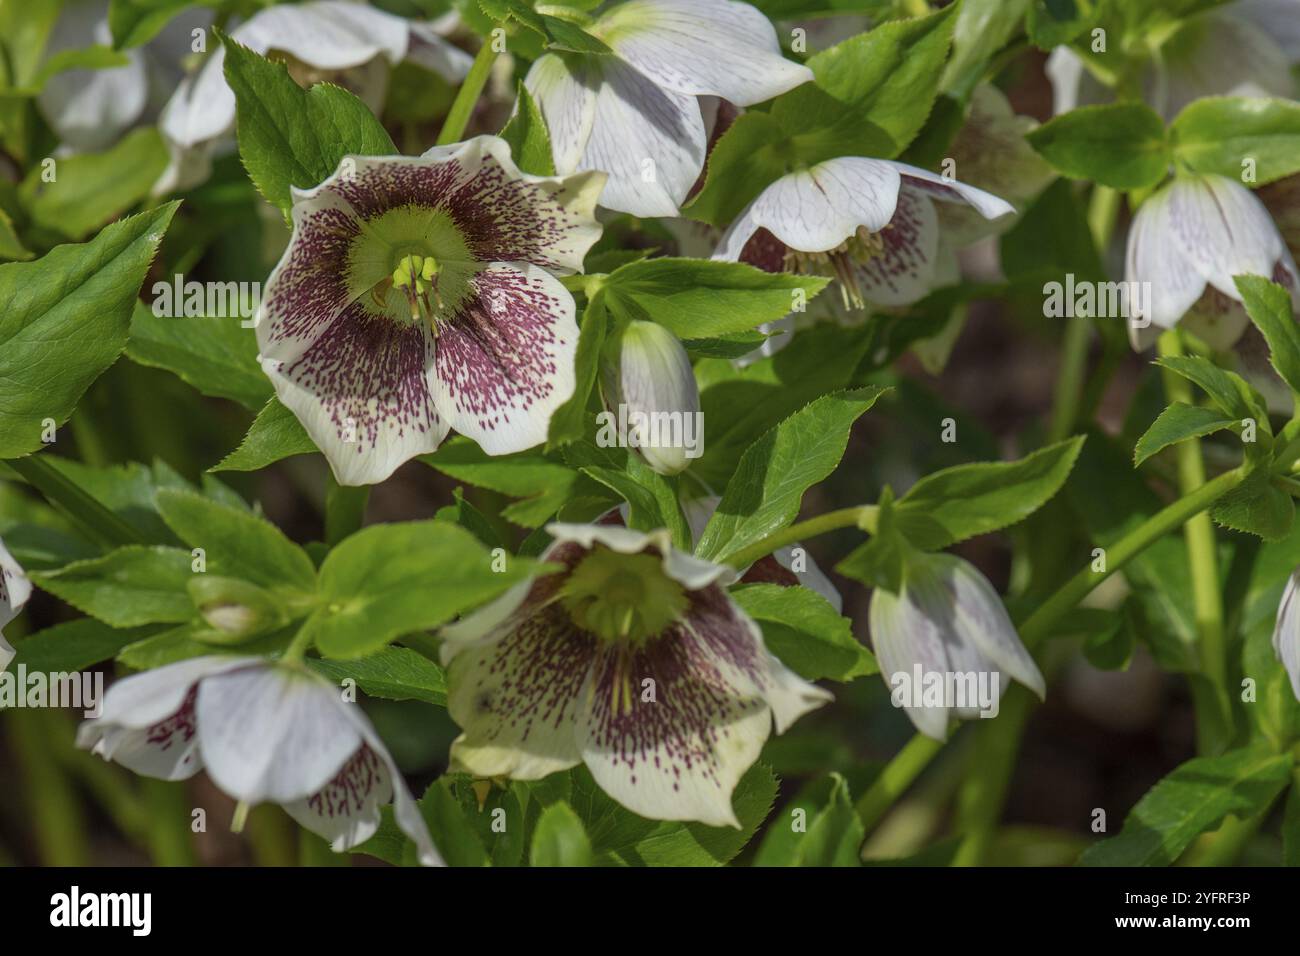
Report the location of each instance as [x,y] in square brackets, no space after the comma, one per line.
[1072,83]
[326,34]
[1222,229]
[817,209]
[435,54]
[203,106]
[515,694]
[1279,19]
[1286,633]
[905,271]
[505,359]
[812,576]
[687,570]
[982,620]
[703,48]
[15,587]
[273,733]
[1154,257]
[904,636]
[950,190]
[649,140]
[566,94]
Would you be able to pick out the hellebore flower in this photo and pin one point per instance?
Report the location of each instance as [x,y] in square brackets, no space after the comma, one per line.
[15,589]
[89,110]
[1187,241]
[945,622]
[647,380]
[1286,633]
[264,731]
[869,223]
[1243,49]
[635,115]
[632,660]
[339,41]
[419,295]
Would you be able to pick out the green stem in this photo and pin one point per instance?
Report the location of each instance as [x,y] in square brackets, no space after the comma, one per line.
[453,128]
[1213,715]
[298,647]
[916,755]
[1069,380]
[345,510]
[863,516]
[87,513]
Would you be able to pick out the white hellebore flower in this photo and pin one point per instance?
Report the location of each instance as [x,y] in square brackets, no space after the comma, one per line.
[15,589]
[89,110]
[419,294]
[869,223]
[647,380]
[264,731]
[1187,241]
[1286,633]
[636,115]
[344,42]
[632,660]
[947,623]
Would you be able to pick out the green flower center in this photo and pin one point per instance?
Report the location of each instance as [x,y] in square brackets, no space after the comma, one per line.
[625,598]
[410,264]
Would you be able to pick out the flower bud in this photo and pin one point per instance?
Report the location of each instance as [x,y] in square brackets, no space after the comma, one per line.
[235,611]
[946,645]
[652,396]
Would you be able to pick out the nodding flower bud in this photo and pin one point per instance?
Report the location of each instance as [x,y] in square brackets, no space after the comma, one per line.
[652,396]
[234,610]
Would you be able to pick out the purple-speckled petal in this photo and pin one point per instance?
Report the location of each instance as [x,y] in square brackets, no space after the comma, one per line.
[515,692]
[668,729]
[505,358]
[904,272]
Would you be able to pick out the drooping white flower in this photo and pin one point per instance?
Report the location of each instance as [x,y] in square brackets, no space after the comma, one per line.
[265,732]
[1244,49]
[869,223]
[946,620]
[15,589]
[89,110]
[341,41]
[636,114]
[632,660]
[418,295]
[1187,241]
[646,377]
[1286,632]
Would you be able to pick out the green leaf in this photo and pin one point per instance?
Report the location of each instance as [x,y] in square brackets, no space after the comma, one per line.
[134,22]
[652,499]
[64,321]
[1177,423]
[741,164]
[289,136]
[1121,145]
[1052,239]
[982,28]
[530,143]
[568,422]
[544,484]
[1190,801]
[701,298]
[127,587]
[1218,134]
[559,839]
[180,644]
[275,434]
[94,57]
[214,354]
[92,188]
[1269,307]
[765,493]
[966,500]
[560,34]
[451,827]
[1231,393]
[879,562]
[395,673]
[1256,507]
[830,833]
[73,646]
[237,543]
[806,632]
[392,579]
[1051,23]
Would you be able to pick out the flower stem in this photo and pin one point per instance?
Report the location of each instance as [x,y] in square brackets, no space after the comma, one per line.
[453,128]
[345,510]
[66,495]
[916,755]
[1213,715]
[863,516]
